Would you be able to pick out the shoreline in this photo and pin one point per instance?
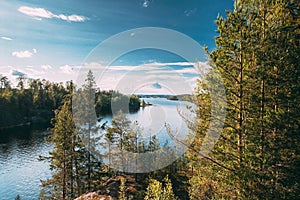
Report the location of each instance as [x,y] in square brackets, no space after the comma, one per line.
[15,125]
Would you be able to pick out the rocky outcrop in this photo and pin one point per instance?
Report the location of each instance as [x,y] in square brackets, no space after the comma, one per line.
[109,190]
[94,196]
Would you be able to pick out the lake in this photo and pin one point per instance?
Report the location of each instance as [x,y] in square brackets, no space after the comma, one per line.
[153,119]
[20,170]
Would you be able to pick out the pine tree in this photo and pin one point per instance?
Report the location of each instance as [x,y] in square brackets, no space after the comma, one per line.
[21,84]
[122,140]
[168,193]
[89,130]
[257,150]
[4,82]
[281,89]
[158,191]
[69,158]
[66,157]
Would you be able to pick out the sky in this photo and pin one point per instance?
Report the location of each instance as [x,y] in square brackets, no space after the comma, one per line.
[55,39]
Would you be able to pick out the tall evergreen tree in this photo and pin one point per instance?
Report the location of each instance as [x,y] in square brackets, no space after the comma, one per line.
[89,129]
[256,155]
[67,157]
[71,160]
[4,82]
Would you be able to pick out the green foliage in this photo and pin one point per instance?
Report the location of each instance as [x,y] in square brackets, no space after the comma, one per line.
[106,99]
[34,100]
[168,193]
[256,156]
[174,98]
[159,191]
[143,104]
[4,82]
[67,157]
[88,130]
[34,103]
[124,137]
[121,137]
[122,190]
[154,190]
[75,170]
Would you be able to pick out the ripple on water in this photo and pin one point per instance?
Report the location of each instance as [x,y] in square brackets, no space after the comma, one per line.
[20,170]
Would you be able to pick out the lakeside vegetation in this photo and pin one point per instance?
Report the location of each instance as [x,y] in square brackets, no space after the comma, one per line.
[36,102]
[257,155]
[173,98]
[78,167]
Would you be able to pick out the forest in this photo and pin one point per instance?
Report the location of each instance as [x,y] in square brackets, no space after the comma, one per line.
[34,101]
[257,154]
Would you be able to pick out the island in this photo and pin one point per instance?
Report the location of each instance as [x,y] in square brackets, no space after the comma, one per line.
[173,98]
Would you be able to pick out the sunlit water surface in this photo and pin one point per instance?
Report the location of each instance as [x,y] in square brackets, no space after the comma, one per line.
[21,172]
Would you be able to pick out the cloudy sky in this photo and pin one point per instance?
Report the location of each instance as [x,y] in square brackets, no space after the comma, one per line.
[53,39]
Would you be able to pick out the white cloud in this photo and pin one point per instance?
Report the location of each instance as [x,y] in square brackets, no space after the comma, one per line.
[24,54]
[190,70]
[46,67]
[174,77]
[6,38]
[68,69]
[39,13]
[36,12]
[146,3]
[171,64]
[38,18]
[151,68]
[126,79]
[142,67]
[76,18]
[34,72]
[45,71]
[186,70]
[161,68]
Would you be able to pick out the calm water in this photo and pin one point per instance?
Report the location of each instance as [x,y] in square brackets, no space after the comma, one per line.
[21,172]
[153,119]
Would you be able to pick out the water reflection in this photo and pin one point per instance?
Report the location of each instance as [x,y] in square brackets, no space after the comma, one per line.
[20,171]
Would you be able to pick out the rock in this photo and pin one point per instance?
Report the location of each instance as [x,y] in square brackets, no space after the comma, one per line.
[109,190]
[94,196]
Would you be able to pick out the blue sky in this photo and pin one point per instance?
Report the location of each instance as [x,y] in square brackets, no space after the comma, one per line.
[52,38]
